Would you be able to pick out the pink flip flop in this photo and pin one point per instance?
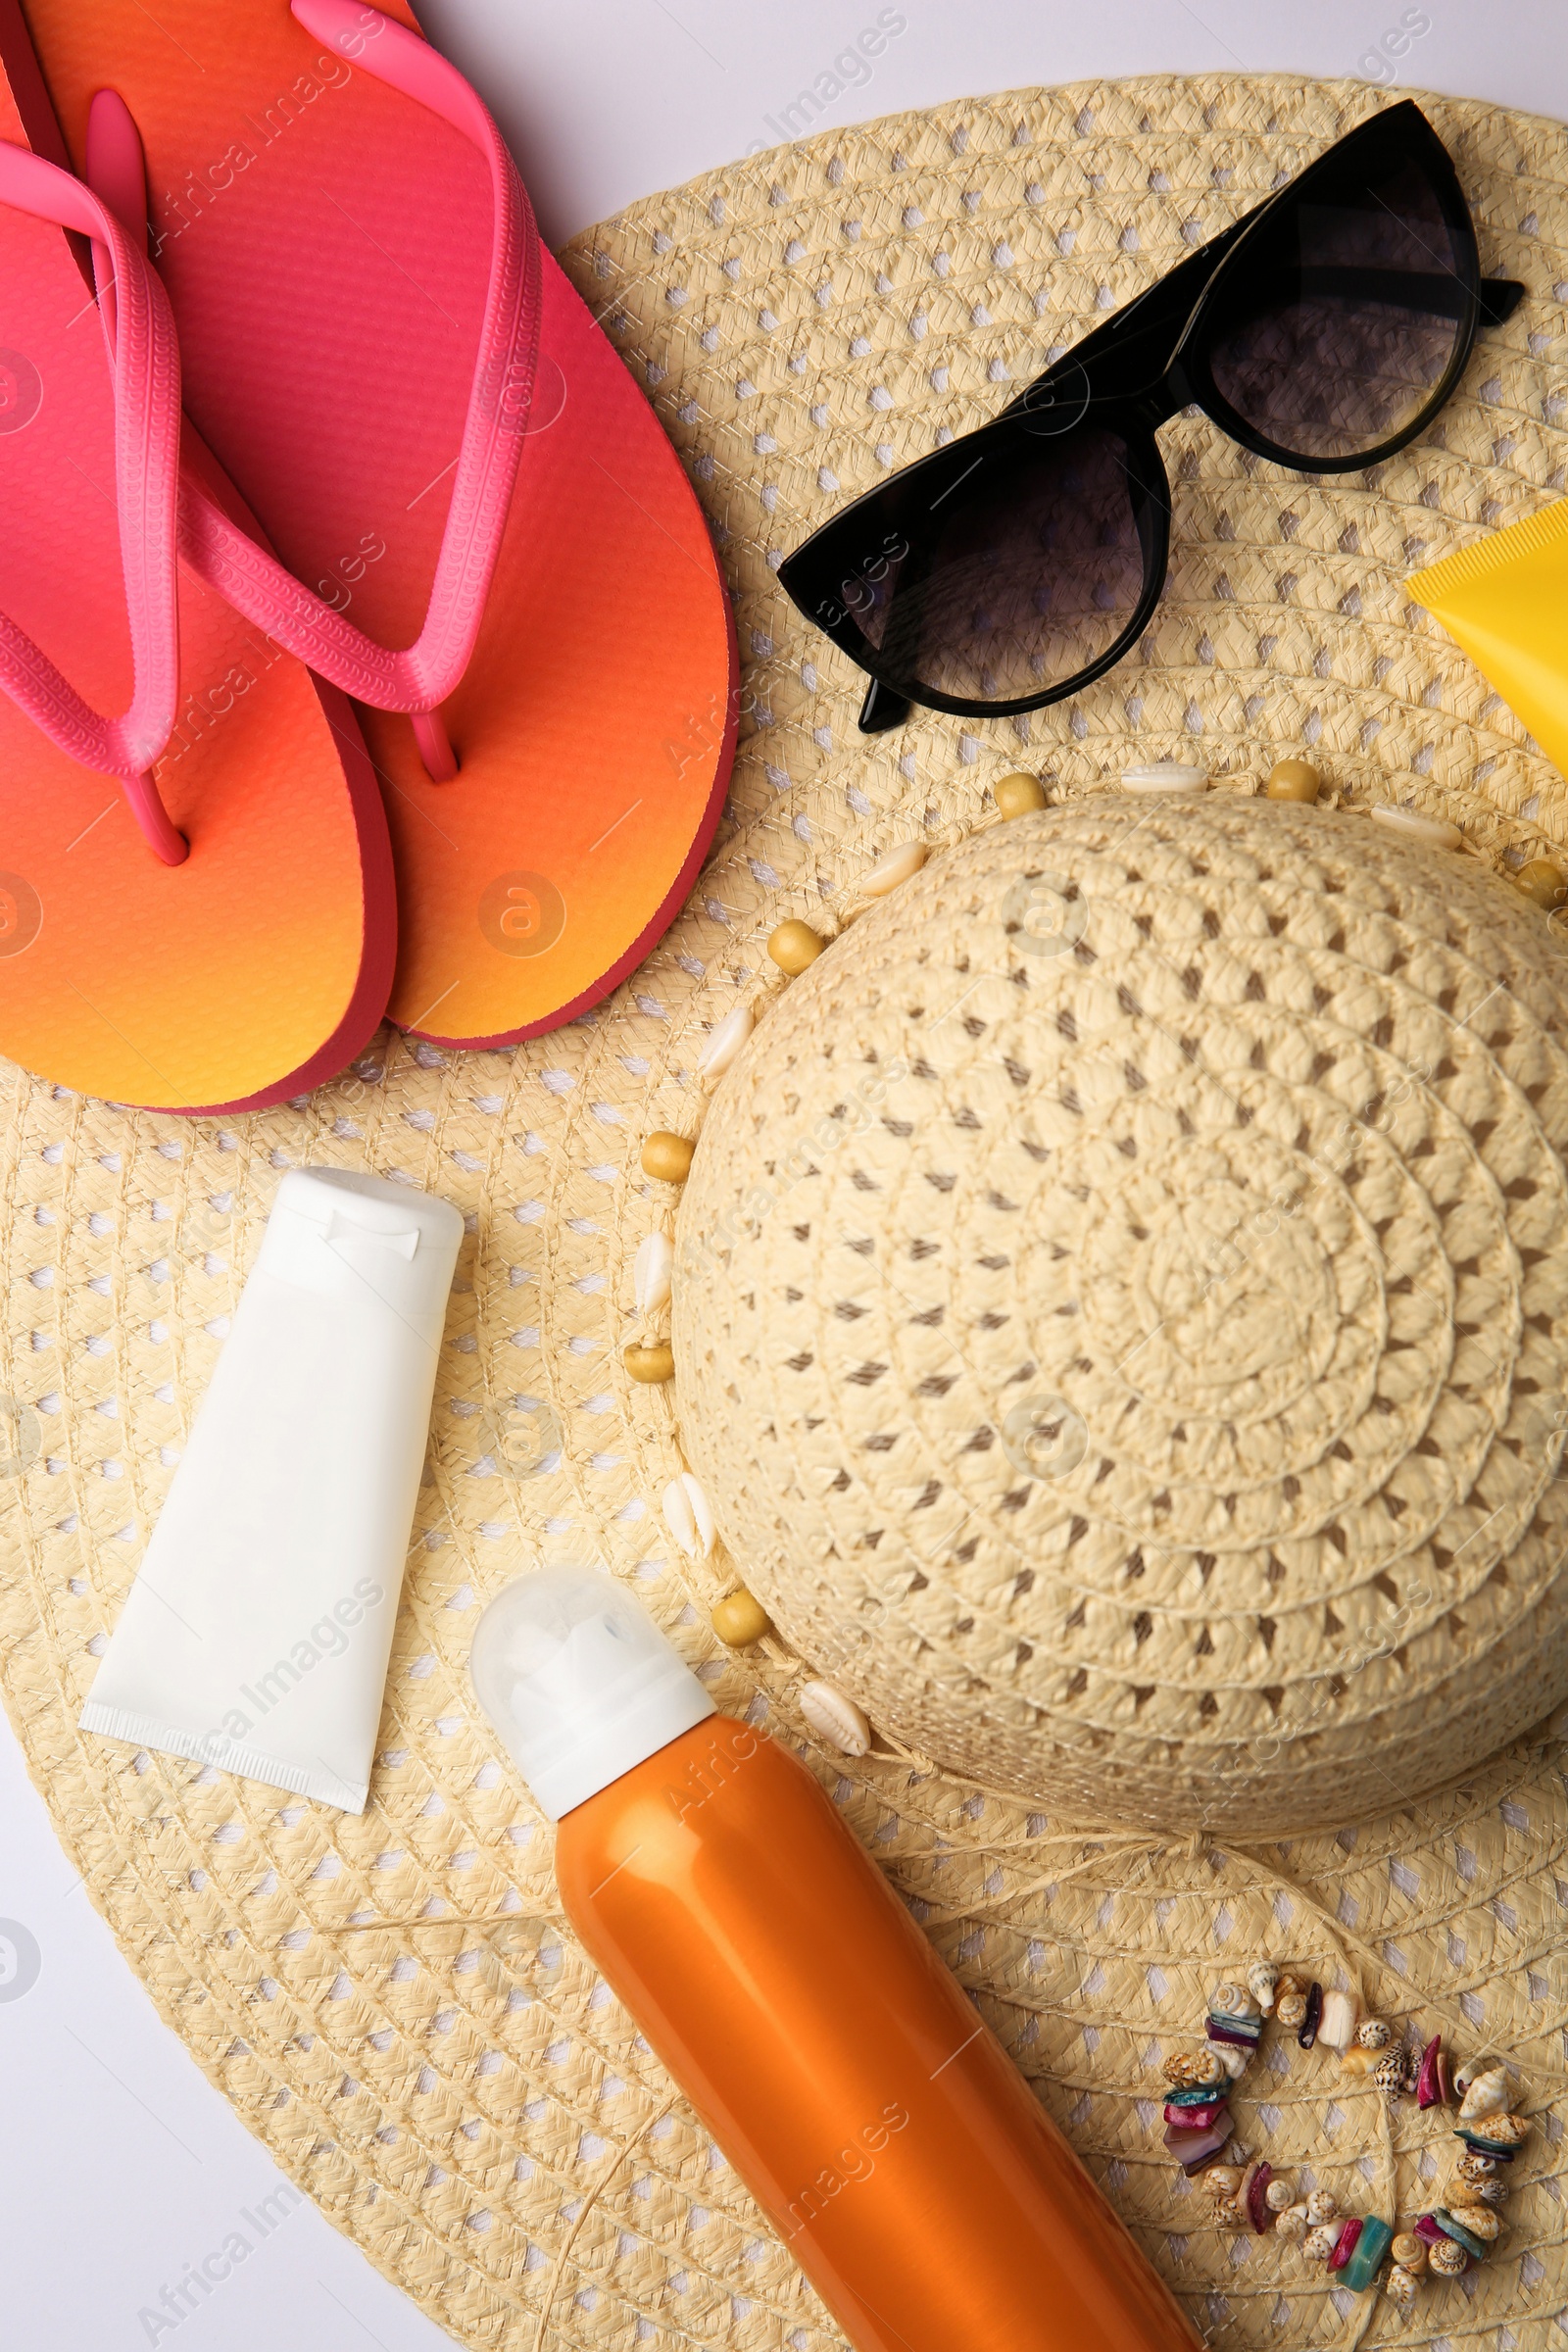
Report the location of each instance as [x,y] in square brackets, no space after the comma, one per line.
[196,910]
[450,460]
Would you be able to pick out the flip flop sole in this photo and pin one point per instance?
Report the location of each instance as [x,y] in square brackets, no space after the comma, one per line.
[325,242]
[260,963]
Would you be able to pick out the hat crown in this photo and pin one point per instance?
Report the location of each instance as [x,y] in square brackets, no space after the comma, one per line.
[1117,1303]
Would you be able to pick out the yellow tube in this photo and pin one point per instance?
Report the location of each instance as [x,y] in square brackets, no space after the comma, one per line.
[1505,601]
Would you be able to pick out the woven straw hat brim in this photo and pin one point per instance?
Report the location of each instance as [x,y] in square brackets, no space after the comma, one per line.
[466,2100]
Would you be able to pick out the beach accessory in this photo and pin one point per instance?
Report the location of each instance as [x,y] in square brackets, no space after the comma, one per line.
[256,1636]
[1503,599]
[1112,1302]
[1324,330]
[443,447]
[893,2145]
[196,908]
[402,2016]
[1245,2194]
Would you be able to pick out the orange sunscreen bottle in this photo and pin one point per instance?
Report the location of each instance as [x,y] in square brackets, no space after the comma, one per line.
[880,2124]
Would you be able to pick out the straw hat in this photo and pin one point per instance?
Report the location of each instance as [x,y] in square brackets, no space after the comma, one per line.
[390,2000]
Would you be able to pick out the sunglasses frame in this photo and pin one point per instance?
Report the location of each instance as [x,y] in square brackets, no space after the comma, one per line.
[1147,364]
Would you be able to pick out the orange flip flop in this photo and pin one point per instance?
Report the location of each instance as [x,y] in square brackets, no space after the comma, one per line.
[197,907]
[450,458]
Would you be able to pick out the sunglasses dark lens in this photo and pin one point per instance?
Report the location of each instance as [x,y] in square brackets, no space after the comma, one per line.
[1340,317]
[1020,576]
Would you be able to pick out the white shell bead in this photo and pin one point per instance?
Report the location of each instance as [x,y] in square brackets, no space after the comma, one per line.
[897,866]
[688,1517]
[1233,2058]
[1165,775]
[651,1271]
[838,1719]
[1442,836]
[726,1042]
[1336,2025]
[1233,2000]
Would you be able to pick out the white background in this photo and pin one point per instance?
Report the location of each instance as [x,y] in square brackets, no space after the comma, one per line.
[118,2165]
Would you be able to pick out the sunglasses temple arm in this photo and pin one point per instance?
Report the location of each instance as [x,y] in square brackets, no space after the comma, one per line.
[882,710]
[1501,297]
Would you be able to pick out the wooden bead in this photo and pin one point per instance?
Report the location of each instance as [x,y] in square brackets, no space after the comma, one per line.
[1019,794]
[1292,780]
[740,1618]
[652,1363]
[667,1157]
[793,945]
[1546,884]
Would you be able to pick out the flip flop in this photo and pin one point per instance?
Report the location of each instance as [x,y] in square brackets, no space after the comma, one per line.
[197,909]
[450,458]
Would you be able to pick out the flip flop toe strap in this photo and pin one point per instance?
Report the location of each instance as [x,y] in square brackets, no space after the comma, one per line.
[252,579]
[144,363]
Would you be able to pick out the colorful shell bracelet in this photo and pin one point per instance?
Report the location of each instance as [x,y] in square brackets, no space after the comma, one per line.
[1444,2243]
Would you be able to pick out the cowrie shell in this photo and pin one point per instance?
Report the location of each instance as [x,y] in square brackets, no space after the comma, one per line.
[651,1271]
[1434,829]
[688,1517]
[837,1718]
[1165,775]
[896,868]
[726,1042]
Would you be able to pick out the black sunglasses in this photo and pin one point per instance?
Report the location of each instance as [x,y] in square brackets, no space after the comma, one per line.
[1324,330]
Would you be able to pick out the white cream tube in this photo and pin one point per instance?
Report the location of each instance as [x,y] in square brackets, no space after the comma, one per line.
[257,1634]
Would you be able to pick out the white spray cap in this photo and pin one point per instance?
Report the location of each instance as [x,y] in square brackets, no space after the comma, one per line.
[580,1681]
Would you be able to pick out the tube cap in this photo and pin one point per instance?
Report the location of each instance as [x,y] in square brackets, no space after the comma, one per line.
[383,1253]
[580,1681]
